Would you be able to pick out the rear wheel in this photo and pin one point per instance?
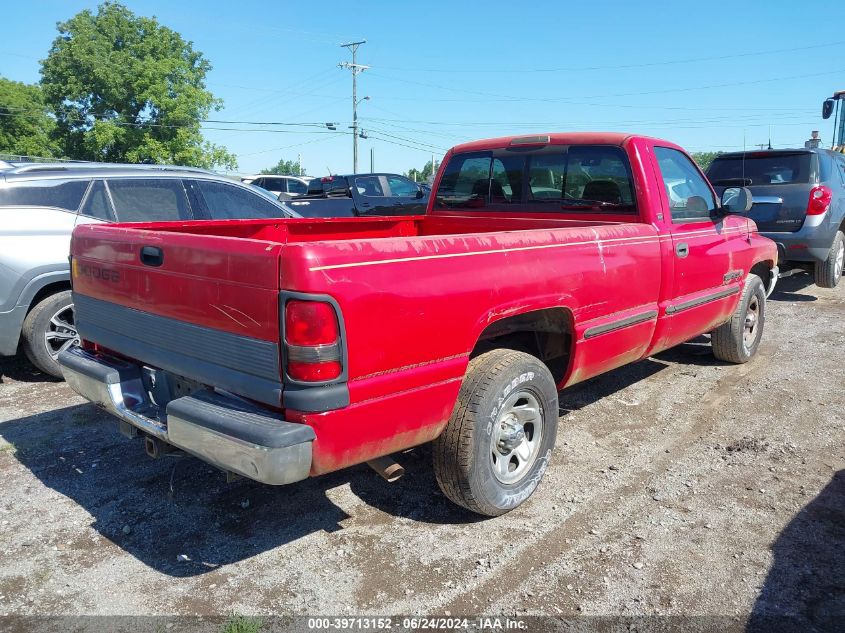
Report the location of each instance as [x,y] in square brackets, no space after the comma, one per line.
[737,340]
[498,442]
[829,272]
[48,329]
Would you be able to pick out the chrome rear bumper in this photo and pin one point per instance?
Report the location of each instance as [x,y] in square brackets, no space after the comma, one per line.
[223,431]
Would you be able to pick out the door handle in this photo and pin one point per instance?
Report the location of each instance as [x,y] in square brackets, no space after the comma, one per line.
[152,256]
[681,249]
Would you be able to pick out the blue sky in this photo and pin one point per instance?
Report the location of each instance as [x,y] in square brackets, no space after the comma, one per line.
[703,74]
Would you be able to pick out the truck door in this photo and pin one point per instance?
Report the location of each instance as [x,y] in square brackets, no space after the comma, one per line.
[706,284]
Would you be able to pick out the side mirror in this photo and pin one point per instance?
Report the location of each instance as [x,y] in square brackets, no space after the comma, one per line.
[827,108]
[737,200]
[420,193]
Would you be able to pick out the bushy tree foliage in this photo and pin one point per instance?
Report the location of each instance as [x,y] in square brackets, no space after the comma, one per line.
[26,127]
[284,168]
[125,88]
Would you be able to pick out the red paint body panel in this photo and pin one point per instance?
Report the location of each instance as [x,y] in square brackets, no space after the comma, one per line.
[416,293]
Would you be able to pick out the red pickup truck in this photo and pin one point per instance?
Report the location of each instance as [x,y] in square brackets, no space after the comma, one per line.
[287,348]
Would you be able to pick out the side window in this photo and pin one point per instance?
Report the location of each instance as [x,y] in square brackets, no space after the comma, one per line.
[369,186]
[402,187]
[149,200]
[506,179]
[258,182]
[465,181]
[230,202]
[62,194]
[274,184]
[690,199]
[297,186]
[97,203]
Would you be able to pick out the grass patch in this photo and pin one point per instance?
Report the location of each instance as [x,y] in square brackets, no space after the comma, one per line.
[241,624]
[8,448]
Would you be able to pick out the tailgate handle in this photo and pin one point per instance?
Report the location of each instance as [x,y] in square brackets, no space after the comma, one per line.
[152,256]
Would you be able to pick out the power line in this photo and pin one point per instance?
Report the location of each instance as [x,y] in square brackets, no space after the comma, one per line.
[511,98]
[621,66]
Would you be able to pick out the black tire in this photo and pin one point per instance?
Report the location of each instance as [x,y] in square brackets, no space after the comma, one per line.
[829,272]
[495,384]
[733,341]
[44,321]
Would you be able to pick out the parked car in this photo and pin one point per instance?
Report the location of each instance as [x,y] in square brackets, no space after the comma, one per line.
[542,261]
[41,203]
[283,187]
[799,202]
[361,195]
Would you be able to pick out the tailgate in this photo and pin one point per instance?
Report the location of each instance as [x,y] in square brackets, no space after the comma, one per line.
[779,208]
[203,307]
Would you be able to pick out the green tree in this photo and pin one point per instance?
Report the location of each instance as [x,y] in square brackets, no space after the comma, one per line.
[284,168]
[25,122]
[704,158]
[125,88]
[424,174]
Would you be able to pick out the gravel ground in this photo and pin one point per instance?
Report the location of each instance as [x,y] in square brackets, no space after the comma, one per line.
[680,486]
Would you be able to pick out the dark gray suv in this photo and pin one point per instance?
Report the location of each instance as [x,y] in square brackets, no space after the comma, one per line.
[41,204]
[799,202]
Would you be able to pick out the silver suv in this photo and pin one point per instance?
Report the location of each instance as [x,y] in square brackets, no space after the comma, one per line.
[41,203]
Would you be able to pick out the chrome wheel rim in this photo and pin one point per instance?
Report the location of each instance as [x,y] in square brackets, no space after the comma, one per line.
[516,437]
[61,332]
[752,322]
[839,264]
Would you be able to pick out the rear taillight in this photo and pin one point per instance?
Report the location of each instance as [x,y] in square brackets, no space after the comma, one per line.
[820,198]
[312,341]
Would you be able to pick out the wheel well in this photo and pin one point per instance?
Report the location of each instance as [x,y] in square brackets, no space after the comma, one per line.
[764,271]
[46,291]
[545,334]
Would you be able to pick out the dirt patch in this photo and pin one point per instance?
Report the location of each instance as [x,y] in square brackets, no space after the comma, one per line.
[679,486]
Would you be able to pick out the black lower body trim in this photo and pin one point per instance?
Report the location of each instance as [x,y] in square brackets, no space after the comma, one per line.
[694,303]
[621,323]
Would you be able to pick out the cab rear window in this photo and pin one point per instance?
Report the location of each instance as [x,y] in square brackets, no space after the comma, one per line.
[60,194]
[761,168]
[579,178]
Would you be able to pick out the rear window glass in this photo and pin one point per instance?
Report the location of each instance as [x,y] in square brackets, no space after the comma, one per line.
[229,202]
[147,200]
[465,182]
[761,169]
[588,176]
[369,186]
[578,177]
[297,186]
[62,194]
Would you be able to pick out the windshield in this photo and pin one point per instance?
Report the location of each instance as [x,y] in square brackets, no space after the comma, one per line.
[761,169]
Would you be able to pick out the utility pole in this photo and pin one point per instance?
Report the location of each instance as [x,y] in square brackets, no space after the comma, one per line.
[356,70]
[372,160]
[299,164]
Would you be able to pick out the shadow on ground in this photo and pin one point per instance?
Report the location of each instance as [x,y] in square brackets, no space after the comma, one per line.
[179,505]
[788,288]
[805,588]
[18,368]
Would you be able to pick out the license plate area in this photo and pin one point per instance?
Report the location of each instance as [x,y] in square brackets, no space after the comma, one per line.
[163,386]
